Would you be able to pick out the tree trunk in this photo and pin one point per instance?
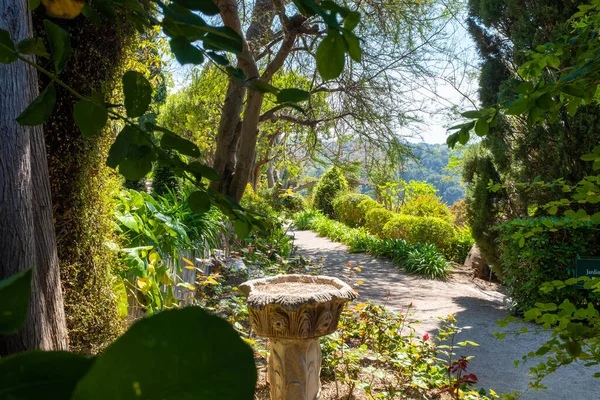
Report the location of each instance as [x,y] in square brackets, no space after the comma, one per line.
[270,175]
[26,225]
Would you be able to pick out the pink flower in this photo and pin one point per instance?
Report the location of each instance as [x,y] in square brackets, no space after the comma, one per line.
[250,248]
[426,336]
[410,304]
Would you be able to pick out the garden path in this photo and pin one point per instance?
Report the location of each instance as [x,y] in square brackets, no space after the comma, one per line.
[473,303]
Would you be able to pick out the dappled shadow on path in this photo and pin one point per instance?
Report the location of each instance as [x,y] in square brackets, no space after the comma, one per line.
[472,306]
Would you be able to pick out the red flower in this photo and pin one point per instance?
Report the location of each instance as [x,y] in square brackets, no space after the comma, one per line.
[426,336]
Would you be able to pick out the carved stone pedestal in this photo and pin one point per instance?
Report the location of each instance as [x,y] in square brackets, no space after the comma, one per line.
[294,311]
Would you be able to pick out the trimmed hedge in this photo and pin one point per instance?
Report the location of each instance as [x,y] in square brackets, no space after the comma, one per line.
[526,263]
[331,185]
[376,220]
[431,230]
[348,210]
[427,205]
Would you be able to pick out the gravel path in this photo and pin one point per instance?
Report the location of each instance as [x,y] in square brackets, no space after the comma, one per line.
[474,304]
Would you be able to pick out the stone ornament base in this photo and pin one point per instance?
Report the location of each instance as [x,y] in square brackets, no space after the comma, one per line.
[294,311]
[294,369]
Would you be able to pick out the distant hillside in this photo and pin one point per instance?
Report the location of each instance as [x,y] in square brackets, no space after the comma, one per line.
[429,166]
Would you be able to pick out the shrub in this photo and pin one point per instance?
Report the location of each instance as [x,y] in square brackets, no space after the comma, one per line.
[427,205]
[367,205]
[425,259]
[347,210]
[459,213]
[461,245]
[331,185]
[421,230]
[304,220]
[292,202]
[255,203]
[376,220]
[526,263]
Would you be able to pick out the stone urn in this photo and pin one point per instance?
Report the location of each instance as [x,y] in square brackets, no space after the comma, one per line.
[293,311]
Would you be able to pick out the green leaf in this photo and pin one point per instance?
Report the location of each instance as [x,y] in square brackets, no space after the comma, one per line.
[482,127]
[202,170]
[90,117]
[129,222]
[522,241]
[351,20]
[7,48]
[91,14]
[33,4]
[206,7]
[14,303]
[60,44]
[353,46]
[220,41]
[263,86]
[34,375]
[119,149]
[331,56]
[573,348]
[185,52]
[138,93]
[33,46]
[217,58]
[242,228]
[472,114]
[293,95]
[199,202]
[173,355]
[138,162]
[40,109]
[184,146]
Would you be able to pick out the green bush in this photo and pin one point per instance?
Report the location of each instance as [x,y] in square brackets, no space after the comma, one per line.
[421,230]
[304,219]
[425,259]
[347,210]
[526,263]
[461,245]
[367,205]
[331,185]
[254,203]
[427,205]
[292,202]
[376,220]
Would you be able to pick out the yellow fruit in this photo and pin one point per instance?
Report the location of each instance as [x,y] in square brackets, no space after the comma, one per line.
[66,9]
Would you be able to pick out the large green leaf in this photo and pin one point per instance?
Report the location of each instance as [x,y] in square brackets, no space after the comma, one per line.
[40,109]
[353,44]
[199,202]
[50,375]
[203,171]
[90,117]
[138,162]
[171,141]
[14,303]
[185,52]
[185,354]
[293,95]
[7,48]
[242,228]
[138,93]
[331,56]
[60,44]
[33,46]
[119,149]
[216,41]
[207,7]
